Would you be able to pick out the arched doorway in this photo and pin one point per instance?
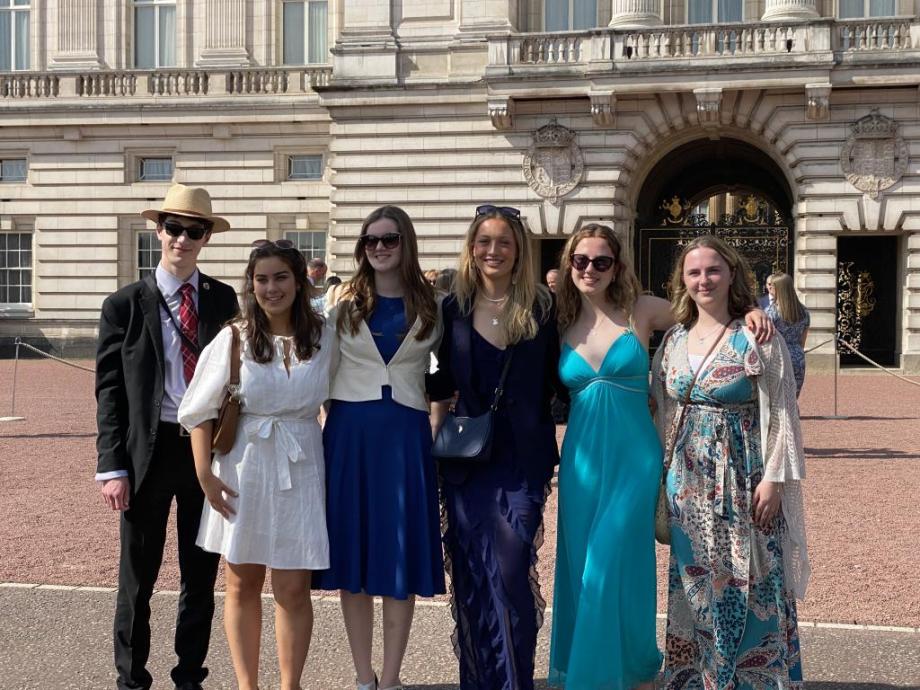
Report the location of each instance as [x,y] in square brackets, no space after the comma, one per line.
[724,187]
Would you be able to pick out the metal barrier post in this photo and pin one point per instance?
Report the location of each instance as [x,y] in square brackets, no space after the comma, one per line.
[13,417]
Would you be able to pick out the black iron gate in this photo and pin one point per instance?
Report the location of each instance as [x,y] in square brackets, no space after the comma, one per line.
[756,230]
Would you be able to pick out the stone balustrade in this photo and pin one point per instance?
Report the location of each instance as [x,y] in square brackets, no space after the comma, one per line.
[29,85]
[874,34]
[601,49]
[163,83]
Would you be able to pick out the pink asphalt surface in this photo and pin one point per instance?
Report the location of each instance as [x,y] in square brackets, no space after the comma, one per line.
[861,494]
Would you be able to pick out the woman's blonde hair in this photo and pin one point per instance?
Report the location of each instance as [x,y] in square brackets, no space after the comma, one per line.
[358,297]
[787,301]
[740,293]
[622,292]
[517,319]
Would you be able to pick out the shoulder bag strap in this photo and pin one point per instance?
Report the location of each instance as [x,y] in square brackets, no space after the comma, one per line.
[234,384]
[500,389]
[683,408]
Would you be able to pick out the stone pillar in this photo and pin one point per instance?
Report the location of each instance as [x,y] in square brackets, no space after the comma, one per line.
[789,10]
[635,14]
[76,39]
[224,28]
[365,51]
[488,16]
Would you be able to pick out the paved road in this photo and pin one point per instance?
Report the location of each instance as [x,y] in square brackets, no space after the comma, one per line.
[59,639]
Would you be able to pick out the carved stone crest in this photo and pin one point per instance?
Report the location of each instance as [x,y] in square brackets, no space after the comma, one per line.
[554,165]
[874,156]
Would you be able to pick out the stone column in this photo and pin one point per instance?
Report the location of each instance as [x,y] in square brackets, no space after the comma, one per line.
[789,10]
[224,28]
[635,14]
[365,51]
[76,45]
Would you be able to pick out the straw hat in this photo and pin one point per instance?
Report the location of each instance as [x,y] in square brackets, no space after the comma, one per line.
[189,202]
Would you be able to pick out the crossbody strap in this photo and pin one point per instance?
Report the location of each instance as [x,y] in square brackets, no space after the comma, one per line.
[500,388]
[192,346]
[234,383]
[685,402]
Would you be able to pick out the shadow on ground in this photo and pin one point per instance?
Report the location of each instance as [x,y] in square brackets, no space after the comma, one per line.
[859,453]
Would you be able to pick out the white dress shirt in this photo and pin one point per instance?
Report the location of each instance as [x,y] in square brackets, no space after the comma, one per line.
[174,381]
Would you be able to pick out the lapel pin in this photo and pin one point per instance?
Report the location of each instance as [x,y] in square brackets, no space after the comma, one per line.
[206,285]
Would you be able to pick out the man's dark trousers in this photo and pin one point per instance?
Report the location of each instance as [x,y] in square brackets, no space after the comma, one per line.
[143,534]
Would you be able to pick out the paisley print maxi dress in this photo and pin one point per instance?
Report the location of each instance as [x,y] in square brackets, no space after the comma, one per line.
[731,617]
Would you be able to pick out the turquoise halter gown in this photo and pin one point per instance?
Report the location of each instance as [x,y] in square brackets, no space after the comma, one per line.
[604,600]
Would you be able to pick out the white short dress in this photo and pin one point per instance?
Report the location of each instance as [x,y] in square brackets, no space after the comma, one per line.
[276,464]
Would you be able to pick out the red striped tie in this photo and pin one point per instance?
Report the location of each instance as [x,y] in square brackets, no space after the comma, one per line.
[188,322]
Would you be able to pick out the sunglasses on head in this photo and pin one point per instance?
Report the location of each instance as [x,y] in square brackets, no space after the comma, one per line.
[281,244]
[174,228]
[389,241]
[505,211]
[600,263]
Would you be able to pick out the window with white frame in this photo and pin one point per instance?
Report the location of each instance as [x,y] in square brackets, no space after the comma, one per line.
[154,33]
[14,34]
[16,269]
[714,11]
[311,243]
[853,9]
[13,169]
[569,15]
[154,169]
[148,253]
[305,167]
[305,27]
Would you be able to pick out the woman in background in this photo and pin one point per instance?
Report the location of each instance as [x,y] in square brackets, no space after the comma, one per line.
[792,321]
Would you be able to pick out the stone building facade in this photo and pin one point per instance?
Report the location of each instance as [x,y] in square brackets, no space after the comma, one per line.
[790,126]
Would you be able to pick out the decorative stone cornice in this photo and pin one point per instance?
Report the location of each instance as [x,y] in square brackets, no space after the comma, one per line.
[818,101]
[501,111]
[603,108]
[708,105]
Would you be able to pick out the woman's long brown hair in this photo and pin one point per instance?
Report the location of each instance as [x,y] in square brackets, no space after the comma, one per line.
[624,288]
[306,323]
[359,296]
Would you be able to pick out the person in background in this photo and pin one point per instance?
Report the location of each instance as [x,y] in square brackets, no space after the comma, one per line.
[494,509]
[266,496]
[431,275]
[552,278]
[445,280]
[316,271]
[383,517]
[792,321]
[766,300]
[150,336]
[727,409]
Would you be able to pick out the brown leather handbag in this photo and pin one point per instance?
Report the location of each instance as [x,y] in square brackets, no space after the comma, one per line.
[228,417]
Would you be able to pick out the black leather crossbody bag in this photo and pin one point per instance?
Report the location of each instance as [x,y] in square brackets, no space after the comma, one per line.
[469,439]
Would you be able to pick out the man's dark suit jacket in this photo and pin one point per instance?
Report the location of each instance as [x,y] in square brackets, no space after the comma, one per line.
[532,380]
[130,371]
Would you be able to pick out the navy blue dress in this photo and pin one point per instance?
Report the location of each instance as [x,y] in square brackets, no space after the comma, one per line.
[495,510]
[381,502]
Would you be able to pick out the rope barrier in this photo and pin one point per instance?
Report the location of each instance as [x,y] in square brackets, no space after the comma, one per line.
[811,349]
[875,364]
[50,356]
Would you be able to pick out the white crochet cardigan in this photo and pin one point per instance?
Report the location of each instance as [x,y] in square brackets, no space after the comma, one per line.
[780,435]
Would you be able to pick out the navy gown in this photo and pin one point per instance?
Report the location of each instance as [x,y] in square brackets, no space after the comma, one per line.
[494,511]
[382,498]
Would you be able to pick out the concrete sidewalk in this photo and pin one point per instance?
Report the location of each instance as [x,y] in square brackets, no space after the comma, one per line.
[57,638]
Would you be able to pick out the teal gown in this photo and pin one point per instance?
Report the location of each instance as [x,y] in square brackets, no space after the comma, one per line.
[604,600]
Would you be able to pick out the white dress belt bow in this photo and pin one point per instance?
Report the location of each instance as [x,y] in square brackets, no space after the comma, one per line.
[286,447]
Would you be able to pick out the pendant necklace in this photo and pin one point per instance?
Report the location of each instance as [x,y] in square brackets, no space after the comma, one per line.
[703,338]
[500,300]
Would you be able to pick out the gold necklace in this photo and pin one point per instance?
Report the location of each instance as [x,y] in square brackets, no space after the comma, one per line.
[704,338]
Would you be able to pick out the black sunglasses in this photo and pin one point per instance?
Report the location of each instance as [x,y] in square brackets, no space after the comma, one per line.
[601,263]
[281,244]
[506,211]
[195,232]
[389,241]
